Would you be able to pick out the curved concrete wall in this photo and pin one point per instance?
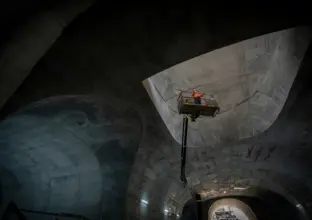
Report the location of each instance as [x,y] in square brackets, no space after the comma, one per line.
[31,41]
[250,80]
[110,59]
[64,155]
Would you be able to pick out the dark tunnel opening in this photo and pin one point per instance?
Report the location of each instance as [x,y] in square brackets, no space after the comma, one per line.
[266,205]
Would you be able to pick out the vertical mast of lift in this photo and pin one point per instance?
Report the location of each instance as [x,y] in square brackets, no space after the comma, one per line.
[195,196]
[183,150]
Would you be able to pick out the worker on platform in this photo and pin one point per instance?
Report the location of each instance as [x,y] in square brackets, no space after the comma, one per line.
[197,97]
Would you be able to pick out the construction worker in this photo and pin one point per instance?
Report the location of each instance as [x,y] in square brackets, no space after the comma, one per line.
[197,100]
[197,97]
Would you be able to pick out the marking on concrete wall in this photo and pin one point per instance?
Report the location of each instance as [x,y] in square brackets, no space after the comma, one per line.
[163,98]
[257,153]
[249,151]
[270,151]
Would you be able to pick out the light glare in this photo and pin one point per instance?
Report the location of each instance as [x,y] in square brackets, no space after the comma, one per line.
[144,201]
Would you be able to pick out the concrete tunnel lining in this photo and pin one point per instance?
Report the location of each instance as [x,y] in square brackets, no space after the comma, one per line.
[250,80]
[155,148]
[30,42]
[53,153]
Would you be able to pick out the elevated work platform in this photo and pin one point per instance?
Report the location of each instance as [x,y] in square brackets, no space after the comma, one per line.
[186,105]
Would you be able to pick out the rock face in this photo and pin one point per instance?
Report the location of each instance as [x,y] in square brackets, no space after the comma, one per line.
[250,80]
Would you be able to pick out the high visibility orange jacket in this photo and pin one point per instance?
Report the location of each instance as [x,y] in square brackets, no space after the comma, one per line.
[197,94]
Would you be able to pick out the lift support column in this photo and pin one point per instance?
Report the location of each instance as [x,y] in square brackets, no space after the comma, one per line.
[183,149]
